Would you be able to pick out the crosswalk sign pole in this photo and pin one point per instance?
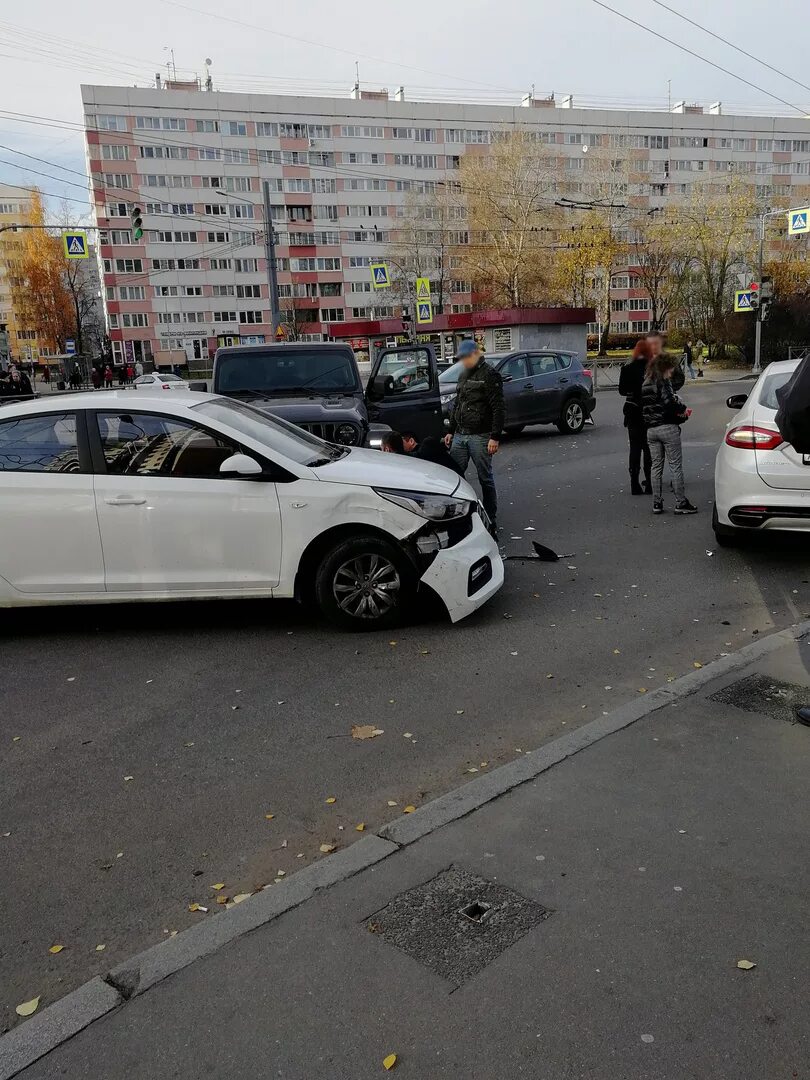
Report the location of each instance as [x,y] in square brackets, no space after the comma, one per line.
[757,368]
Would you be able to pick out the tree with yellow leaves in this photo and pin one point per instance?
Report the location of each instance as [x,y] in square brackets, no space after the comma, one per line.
[38,288]
[509,195]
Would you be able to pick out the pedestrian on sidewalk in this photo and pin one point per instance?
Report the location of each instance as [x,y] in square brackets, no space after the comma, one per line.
[631,379]
[75,376]
[95,378]
[138,369]
[656,340]
[476,422]
[687,359]
[46,375]
[664,412]
[108,377]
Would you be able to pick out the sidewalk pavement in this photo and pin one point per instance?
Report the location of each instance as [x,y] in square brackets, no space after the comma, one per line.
[626,881]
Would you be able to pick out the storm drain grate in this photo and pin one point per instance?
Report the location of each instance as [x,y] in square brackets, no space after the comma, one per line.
[759,694]
[457,923]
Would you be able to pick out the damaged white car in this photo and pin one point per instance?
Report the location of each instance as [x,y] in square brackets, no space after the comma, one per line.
[122,497]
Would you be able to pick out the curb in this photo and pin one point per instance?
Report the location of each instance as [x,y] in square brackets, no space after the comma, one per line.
[28,1042]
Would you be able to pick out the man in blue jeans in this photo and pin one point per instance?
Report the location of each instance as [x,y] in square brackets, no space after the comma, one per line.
[477,422]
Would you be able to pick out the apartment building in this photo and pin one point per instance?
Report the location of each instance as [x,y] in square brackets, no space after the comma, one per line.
[340,172]
[18,342]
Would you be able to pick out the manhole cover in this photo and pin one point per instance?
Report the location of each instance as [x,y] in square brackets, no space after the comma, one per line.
[456,923]
[759,694]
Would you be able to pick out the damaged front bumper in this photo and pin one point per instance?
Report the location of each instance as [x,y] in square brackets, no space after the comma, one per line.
[466,572]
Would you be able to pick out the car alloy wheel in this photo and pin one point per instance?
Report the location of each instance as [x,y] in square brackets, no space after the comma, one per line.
[574,416]
[366,587]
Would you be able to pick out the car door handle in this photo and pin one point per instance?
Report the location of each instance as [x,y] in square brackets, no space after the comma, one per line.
[529,386]
[125,500]
[563,381]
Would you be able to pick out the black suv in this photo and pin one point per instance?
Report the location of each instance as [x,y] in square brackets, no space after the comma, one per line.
[317,386]
[540,386]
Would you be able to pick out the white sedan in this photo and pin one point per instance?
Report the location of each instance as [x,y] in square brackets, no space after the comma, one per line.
[760,482]
[157,380]
[179,496]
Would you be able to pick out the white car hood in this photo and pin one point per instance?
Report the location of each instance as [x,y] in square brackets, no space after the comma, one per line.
[373,468]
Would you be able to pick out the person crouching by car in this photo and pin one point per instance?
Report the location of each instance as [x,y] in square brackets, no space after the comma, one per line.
[664,412]
[430,449]
[476,422]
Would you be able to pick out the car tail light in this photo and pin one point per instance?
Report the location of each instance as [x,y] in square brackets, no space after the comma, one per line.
[748,437]
[587,371]
[166,386]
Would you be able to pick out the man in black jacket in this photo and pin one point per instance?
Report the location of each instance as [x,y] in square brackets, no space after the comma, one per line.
[477,422]
[631,378]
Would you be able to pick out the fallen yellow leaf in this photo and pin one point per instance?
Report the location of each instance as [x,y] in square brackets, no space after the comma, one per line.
[219,885]
[222,899]
[196,907]
[745,965]
[269,817]
[392,803]
[696,663]
[28,1007]
[392,643]
[642,689]
[617,652]
[56,948]
[327,849]
[361,827]
[331,800]
[365,731]
[240,897]
[100,948]
[409,810]
[389,1062]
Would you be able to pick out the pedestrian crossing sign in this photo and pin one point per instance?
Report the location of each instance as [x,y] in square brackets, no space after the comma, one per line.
[742,300]
[423,288]
[799,221]
[424,311]
[75,245]
[379,276]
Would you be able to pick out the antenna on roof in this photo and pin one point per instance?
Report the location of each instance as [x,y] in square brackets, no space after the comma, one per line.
[209,82]
[357,75]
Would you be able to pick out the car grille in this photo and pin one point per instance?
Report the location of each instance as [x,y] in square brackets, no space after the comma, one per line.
[329,431]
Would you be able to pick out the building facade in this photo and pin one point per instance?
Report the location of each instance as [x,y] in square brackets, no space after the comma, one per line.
[18,342]
[340,174]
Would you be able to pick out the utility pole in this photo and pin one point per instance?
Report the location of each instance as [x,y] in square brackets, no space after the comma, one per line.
[757,368]
[270,256]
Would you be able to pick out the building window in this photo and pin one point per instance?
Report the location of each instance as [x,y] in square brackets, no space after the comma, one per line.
[151,123]
[134,318]
[167,290]
[293,131]
[248,291]
[108,123]
[216,209]
[208,126]
[333,314]
[250,317]
[222,290]
[324,187]
[467,135]
[233,127]
[360,131]
[115,152]
[224,316]
[246,266]
[221,264]
[236,157]
[267,129]
[364,158]
[129,266]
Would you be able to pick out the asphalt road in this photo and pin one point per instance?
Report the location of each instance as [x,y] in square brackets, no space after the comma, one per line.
[142,747]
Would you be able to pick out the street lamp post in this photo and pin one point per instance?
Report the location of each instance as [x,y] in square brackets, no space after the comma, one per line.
[757,368]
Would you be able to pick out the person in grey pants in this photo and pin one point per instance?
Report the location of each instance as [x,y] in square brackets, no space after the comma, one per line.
[664,412]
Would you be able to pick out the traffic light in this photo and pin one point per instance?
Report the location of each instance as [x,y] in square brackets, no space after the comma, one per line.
[406,319]
[137,222]
[766,289]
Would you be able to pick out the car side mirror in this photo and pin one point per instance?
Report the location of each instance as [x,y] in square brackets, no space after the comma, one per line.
[736,401]
[241,465]
[198,385]
[377,387]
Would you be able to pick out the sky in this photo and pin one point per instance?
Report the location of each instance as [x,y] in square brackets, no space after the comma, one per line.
[449,49]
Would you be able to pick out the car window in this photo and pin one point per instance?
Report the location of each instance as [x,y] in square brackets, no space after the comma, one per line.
[515,367]
[406,372]
[564,360]
[772,383]
[39,444]
[286,370]
[143,380]
[143,444]
[542,363]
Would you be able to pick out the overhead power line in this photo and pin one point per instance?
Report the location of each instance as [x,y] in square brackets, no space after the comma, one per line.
[731,45]
[691,52]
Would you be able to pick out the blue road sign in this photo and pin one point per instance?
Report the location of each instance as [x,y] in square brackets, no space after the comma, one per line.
[799,221]
[379,276]
[742,300]
[75,245]
[70,347]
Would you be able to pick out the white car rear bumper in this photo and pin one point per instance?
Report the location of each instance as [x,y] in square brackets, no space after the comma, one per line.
[467,574]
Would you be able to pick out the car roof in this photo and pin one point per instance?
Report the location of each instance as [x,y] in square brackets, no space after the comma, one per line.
[292,346]
[109,399]
[781,365]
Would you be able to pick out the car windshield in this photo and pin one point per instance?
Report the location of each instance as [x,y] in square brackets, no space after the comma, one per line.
[277,370]
[767,395]
[276,434]
[451,376]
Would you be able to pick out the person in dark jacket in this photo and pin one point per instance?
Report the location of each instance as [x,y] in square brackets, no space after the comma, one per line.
[656,343]
[476,422]
[664,412]
[630,382]
[430,449]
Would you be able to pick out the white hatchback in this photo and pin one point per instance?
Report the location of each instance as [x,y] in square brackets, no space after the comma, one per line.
[178,496]
[760,481]
[157,380]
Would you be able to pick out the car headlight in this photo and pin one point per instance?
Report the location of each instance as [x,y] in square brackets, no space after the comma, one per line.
[346,434]
[432,507]
[447,398]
